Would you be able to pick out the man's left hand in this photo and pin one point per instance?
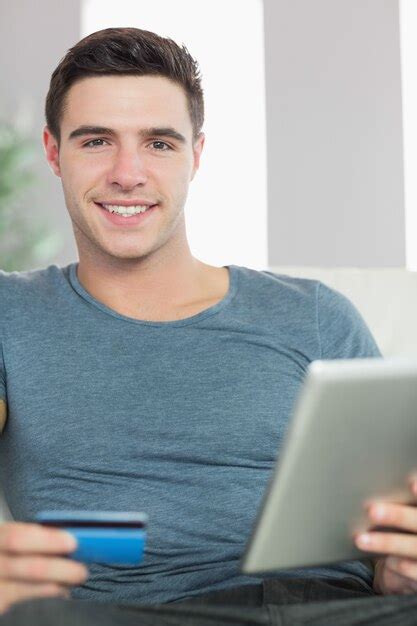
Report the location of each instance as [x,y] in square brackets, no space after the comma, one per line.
[396,571]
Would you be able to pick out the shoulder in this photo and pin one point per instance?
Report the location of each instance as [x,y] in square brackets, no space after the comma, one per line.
[27,277]
[335,309]
[265,281]
[285,304]
[342,329]
[19,286]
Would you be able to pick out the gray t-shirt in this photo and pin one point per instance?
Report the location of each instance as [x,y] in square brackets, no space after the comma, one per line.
[182,420]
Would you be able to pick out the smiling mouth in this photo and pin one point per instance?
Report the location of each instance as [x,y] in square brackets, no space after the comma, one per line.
[127,210]
[129,219]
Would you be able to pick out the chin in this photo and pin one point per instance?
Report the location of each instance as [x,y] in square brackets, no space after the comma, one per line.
[126,255]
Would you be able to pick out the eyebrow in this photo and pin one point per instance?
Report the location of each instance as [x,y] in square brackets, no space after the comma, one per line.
[165,131]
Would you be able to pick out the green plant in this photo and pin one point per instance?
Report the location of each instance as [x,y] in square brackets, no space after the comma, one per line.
[25,240]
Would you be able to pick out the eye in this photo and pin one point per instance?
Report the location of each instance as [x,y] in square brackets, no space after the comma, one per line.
[165,144]
[87,145]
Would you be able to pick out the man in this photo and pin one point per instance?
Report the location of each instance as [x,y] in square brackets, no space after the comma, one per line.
[143,379]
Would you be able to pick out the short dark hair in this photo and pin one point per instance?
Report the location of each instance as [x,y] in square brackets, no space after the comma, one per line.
[125,51]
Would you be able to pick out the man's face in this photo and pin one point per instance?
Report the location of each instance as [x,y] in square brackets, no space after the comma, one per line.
[127,165]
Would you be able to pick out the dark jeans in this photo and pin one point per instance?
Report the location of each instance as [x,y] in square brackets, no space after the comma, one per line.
[274,602]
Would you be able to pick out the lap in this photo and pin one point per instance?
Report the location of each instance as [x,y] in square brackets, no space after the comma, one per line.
[62,612]
[274,602]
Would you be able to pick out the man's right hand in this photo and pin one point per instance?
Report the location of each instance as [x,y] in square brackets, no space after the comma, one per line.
[33,563]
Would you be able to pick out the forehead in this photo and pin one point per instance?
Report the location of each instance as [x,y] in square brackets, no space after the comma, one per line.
[110,100]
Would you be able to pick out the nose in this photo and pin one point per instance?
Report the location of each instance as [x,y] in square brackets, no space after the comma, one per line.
[128,169]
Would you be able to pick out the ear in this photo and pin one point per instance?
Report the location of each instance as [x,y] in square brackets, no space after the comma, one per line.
[51,151]
[197,150]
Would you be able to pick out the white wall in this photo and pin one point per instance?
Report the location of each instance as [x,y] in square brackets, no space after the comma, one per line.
[334,133]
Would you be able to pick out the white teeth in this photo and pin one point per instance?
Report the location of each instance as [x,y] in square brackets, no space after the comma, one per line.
[125,210]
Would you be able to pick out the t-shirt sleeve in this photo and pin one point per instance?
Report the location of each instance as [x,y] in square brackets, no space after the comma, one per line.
[343,333]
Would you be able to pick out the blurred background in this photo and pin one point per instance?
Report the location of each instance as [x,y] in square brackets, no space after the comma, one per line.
[310,132]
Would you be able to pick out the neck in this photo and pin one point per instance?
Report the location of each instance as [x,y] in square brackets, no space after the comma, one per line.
[144,286]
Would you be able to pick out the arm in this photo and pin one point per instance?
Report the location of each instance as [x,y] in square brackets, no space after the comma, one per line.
[31,563]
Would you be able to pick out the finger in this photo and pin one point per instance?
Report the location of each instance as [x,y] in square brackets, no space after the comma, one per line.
[39,568]
[408,586]
[404,567]
[18,592]
[388,581]
[388,543]
[18,537]
[399,516]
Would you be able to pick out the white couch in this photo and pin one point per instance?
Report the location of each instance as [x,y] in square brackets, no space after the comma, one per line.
[386,298]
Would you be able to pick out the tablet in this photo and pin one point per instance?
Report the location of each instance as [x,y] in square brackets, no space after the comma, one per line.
[352,437]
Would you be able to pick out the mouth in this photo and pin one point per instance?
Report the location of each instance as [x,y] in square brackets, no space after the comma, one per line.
[128,220]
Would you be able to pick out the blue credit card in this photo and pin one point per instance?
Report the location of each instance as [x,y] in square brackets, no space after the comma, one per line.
[110,537]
